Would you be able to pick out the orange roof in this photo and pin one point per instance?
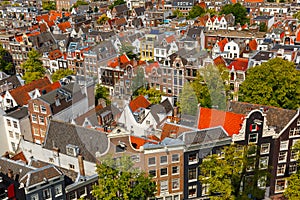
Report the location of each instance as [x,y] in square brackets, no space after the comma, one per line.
[254,1]
[298,36]
[50,87]
[64,26]
[53,55]
[19,156]
[148,68]
[220,61]
[137,142]
[222,44]
[33,33]
[123,59]
[19,38]
[170,39]
[169,129]
[240,64]
[202,5]
[231,122]
[21,95]
[139,102]
[253,45]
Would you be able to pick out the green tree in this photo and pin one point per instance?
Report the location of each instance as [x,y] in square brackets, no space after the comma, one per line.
[196,11]
[177,13]
[292,191]
[237,10]
[116,3]
[102,19]
[297,15]
[211,11]
[263,27]
[50,5]
[138,81]
[5,66]
[61,73]
[127,48]
[119,180]
[33,67]
[79,3]
[227,175]
[101,92]
[154,96]
[273,83]
[188,102]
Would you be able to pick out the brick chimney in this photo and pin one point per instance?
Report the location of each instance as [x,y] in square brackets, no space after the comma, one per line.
[81,165]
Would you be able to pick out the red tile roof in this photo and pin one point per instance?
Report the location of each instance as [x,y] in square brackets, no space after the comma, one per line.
[298,36]
[219,61]
[202,5]
[123,59]
[137,142]
[169,129]
[253,45]
[64,26]
[222,44]
[231,122]
[50,87]
[21,95]
[139,102]
[240,64]
[148,68]
[170,39]
[53,55]
[254,1]
[19,156]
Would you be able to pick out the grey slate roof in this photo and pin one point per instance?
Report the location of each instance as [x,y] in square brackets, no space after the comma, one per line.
[121,8]
[89,141]
[276,117]
[139,11]
[11,79]
[20,113]
[265,17]
[18,167]
[263,55]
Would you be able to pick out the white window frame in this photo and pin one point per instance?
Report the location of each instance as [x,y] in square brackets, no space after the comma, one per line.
[281,154]
[162,175]
[265,145]
[34,118]
[59,187]
[280,190]
[164,186]
[35,107]
[42,107]
[192,187]
[176,159]
[284,145]
[154,161]
[166,161]
[282,168]
[263,165]
[177,180]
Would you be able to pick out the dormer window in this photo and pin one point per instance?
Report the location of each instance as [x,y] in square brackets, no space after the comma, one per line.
[121,147]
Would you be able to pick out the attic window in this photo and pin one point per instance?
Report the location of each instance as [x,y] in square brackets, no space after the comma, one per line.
[120,147]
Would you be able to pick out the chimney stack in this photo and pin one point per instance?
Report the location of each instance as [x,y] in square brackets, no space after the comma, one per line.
[10,174]
[81,165]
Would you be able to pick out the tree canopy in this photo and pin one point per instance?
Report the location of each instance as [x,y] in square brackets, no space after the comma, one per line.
[297,15]
[33,67]
[138,81]
[5,66]
[237,10]
[61,73]
[292,191]
[177,13]
[154,96]
[119,180]
[102,19]
[273,83]
[226,174]
[196,11]
[49,5]
[116,3]
[101,92]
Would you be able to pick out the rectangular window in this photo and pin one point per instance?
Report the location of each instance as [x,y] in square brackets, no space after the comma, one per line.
[163,160]
[205,189]
[192,174]
[284,145]
[192,191]
[43,109]
[43,132]
[73,195]
[262,182]
[34,197]
[280,185]
[263,162]
[34,118]
[15,124]
[13,145]
[265,148]
[42,119]
[175,184]
[8,122]
[280,169]
[282,156]
[58,190]
[193,158]
[152,173]
[175,158]
[253,138]
[292,168]
[164,186]
[295,132]
[35,108]
[151,161]
[17,135]
[294,155]
[82,192]
[163,171]
[71,166]
[11,134]
[175,170]
[46,194]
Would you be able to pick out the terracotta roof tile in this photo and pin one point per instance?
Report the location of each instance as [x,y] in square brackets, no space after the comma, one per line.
[19,156]
[148,68]
[170,39]
[64,26]
[139,102]
[21,95]
[298,36]
[50,87]
[222,44]
[253,45]
[121,60]
[137,142]
[169,129]
[120,22]
[240,64]
[53,55]
[220,61]
[231,122]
